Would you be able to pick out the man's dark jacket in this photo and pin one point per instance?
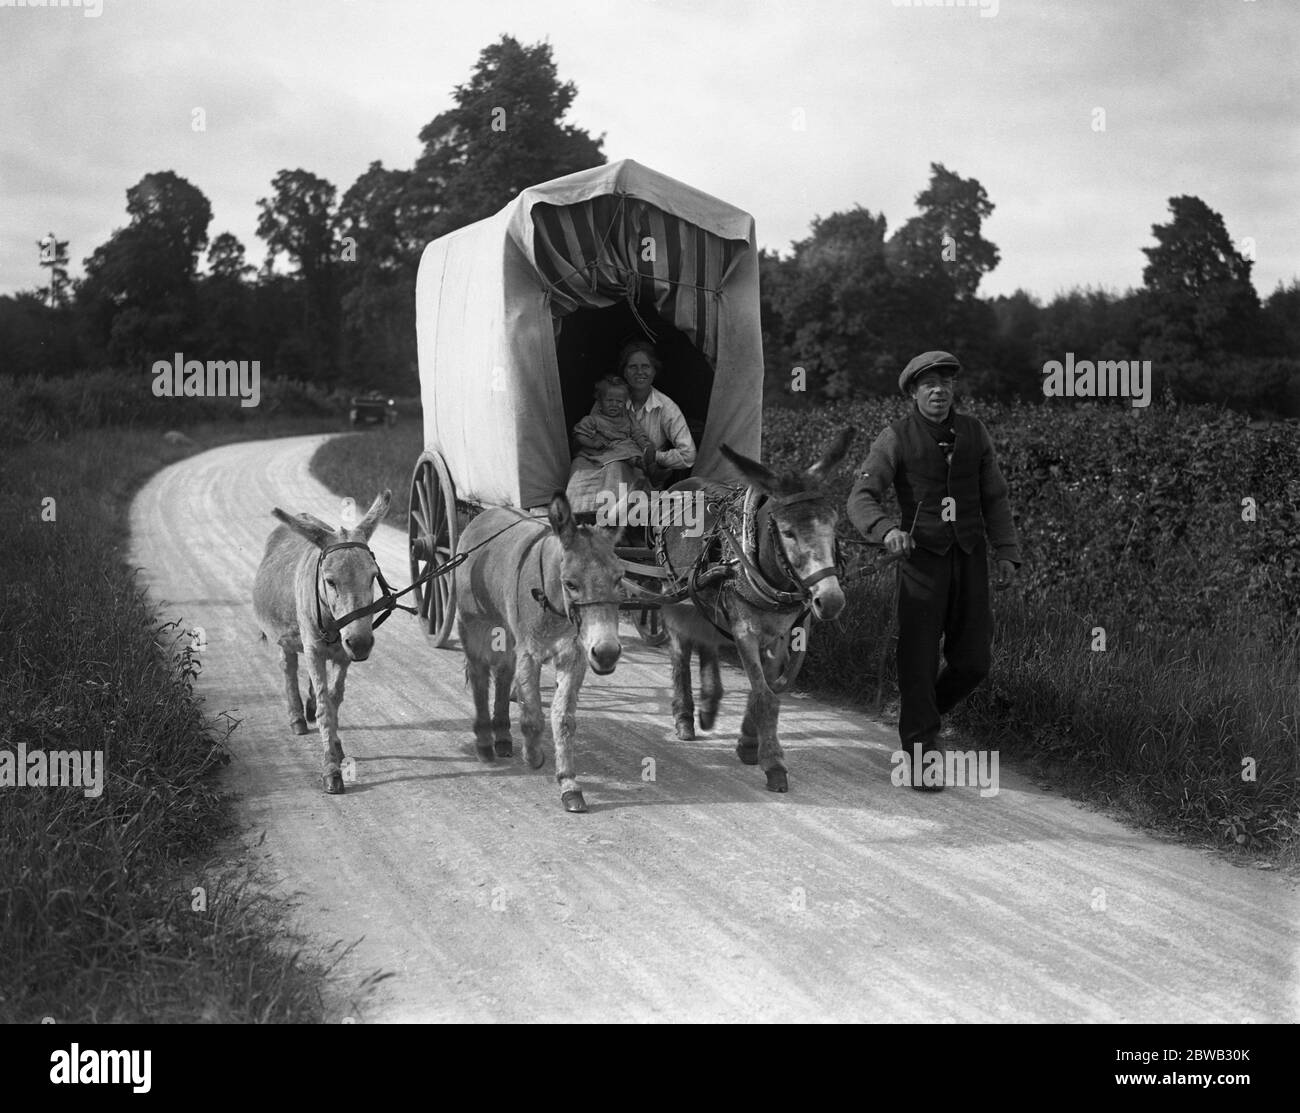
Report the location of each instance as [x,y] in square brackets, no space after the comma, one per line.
[907,455]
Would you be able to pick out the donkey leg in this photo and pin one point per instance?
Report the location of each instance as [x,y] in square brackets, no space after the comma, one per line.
[747,746]
[289,666]
[710,686]
[477,672]
[761,715]
[683,703]
[504,680]
[340,680]
[528,679]
[327,722]
[570,668]
[311,701]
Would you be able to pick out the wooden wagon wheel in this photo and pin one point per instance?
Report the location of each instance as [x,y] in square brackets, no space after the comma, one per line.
[434,531]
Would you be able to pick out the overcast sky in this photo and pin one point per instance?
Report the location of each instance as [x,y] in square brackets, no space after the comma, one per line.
[1200,97]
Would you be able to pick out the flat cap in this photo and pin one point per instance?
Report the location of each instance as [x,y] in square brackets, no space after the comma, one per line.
[926,361]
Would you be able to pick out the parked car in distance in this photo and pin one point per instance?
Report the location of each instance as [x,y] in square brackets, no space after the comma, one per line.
[372,408]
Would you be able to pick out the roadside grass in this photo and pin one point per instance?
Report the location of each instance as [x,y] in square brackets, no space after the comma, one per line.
[1199,738]
[1192,683]
[363,464]
[99,917]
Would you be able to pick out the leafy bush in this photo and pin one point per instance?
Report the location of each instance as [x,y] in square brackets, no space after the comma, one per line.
[1131,512]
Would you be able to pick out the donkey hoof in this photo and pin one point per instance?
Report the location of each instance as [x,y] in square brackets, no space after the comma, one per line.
[332,782]
[707,719]
[486,751]
[311,710]
[298,726]
[536,758]
[747,750]
[504,747]
[573,801]
[685,730]
[776,781]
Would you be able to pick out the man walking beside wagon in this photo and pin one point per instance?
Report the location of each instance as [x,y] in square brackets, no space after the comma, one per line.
[944,471]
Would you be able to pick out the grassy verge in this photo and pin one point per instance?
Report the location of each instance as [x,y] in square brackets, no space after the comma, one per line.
[365,463]
[1194,737]
[100,917]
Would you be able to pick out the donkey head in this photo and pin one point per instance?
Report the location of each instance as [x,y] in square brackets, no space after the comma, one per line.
[804,517]
[345,581]
[590,572]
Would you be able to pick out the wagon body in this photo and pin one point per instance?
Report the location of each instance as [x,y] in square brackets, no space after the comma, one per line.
[494,301]
[519,314]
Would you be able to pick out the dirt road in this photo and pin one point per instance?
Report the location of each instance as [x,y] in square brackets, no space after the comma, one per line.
[697,895]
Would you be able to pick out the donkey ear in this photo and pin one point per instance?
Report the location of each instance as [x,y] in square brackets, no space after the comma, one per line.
[560,515]
[374,515]
[755,474]
[834,454]
[306,525]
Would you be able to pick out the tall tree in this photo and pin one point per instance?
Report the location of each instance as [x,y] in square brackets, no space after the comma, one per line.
[225,299]
[380,253]
[943,246]
[840,304]
[140,285]
[298,220]
[505,133]
[226,258]
[1193,251]
[1199,298]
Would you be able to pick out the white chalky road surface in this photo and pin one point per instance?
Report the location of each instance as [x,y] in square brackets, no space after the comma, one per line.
[696,896]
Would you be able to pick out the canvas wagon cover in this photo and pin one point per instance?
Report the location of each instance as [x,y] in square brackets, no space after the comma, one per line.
[488,297]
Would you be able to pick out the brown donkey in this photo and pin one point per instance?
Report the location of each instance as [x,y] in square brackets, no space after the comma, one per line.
[311,575]
[529,592]
[758,592]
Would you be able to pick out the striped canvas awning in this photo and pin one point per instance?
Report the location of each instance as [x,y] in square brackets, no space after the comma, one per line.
[616,247]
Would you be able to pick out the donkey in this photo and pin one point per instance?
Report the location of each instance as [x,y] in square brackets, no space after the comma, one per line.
[310,576]
[759,601]
[525,594]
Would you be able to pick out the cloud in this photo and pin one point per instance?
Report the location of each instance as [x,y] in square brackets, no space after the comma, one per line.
[788,109]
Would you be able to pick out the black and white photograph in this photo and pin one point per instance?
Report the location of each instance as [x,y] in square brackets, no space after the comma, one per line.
[653,512]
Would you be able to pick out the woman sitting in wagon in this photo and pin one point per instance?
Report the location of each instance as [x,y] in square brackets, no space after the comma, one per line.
[669,445]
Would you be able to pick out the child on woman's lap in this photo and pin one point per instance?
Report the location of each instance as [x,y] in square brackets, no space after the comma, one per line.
[609,433]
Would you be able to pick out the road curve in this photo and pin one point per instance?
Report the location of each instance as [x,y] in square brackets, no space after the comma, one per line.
[697,895]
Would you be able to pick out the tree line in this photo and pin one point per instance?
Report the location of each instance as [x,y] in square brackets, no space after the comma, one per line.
[849,305]
[846,307]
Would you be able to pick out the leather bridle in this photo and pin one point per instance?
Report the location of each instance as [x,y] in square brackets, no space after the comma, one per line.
[572,607]
[329,627]
[835,568]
